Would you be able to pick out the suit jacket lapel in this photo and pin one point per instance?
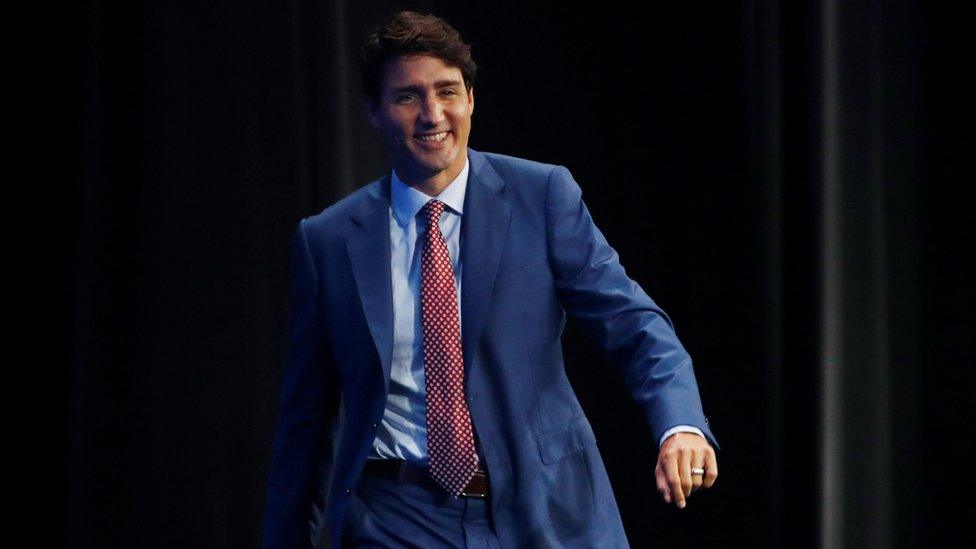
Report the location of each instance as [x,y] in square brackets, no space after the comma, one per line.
[484,227]
[368,246]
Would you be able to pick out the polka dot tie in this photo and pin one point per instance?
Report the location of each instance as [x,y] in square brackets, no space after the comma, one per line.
[450,441]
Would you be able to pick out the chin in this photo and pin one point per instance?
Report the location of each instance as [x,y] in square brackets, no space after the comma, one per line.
[440,164]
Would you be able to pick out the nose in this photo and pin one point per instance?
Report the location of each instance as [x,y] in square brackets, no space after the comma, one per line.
[432,112]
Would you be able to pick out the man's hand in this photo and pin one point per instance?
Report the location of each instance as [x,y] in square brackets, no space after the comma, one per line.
[680,453]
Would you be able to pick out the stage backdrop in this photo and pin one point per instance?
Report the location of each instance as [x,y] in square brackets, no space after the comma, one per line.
[780,176]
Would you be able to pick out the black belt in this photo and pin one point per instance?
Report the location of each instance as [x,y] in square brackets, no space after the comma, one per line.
[404,471]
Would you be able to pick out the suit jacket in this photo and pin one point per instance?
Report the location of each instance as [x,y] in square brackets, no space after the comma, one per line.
[532,255]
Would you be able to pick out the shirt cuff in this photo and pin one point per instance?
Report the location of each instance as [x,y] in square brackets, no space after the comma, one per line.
[679,429]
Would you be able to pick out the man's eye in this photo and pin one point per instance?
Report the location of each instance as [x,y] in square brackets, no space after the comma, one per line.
[404,97]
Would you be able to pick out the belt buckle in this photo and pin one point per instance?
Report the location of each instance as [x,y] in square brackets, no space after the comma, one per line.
[479,495]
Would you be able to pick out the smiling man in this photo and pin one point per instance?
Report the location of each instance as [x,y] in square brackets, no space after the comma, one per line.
[424,112]
[424,400]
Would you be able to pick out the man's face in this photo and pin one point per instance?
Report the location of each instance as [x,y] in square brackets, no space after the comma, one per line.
[424,114]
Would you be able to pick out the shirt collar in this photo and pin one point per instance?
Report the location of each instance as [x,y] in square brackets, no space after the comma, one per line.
[407,201]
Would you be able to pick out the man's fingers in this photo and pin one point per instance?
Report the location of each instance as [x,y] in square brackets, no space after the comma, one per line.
[662,483]
[697,462]
[711,467]
[679,454]
[684,471]
[674,480]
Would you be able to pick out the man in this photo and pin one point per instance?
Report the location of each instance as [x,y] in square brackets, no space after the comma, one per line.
[424,401]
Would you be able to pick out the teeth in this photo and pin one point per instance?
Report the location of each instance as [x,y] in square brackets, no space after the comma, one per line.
[435,137]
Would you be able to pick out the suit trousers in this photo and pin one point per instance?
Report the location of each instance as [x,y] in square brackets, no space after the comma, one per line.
[386,513]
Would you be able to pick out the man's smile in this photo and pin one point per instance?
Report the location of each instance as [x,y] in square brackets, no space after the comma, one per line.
[432,141]
[433,136]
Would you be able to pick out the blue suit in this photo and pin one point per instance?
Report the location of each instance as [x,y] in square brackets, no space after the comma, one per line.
[531,256]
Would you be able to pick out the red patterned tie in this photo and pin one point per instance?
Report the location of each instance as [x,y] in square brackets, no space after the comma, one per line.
[450,442]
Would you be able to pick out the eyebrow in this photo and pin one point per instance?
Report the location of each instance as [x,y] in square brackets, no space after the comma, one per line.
[438,84]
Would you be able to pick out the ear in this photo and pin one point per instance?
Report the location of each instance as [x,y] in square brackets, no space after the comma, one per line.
[471,101]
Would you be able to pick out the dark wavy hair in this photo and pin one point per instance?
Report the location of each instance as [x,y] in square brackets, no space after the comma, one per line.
[412,33]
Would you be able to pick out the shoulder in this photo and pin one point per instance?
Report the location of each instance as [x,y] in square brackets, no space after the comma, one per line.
[340,211]
[335,219]
[547,181]
[534,179]
[515,168]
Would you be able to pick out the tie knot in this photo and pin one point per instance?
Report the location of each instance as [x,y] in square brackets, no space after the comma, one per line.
[433,209]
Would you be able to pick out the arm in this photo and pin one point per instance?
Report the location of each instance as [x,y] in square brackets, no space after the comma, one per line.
[309,394]
[630,328]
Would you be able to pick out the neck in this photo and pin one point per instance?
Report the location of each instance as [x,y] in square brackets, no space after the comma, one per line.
[432,186]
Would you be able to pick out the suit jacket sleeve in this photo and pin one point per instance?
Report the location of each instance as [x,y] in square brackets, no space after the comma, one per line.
[300,451]
[630,328]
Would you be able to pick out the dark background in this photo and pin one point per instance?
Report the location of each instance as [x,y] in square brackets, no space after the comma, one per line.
[786,179]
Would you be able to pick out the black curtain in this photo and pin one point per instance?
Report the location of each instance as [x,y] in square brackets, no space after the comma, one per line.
[786,179]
